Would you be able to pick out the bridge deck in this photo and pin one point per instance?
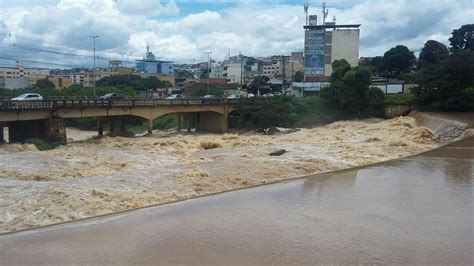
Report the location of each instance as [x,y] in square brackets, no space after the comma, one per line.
[6,106]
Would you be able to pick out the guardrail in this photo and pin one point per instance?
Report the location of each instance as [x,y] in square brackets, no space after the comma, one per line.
[97,103]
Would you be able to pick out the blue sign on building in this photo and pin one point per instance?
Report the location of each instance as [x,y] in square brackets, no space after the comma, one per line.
[314,53]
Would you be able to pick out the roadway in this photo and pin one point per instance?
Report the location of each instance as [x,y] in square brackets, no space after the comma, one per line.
[415,210]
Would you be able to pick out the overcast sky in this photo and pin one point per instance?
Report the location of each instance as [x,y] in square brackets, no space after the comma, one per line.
[182,30]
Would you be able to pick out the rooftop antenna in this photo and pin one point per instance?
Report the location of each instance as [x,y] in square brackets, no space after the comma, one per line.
[325,13]
[306,12]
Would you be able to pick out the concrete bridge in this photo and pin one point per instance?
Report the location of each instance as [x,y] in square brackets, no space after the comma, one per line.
[45,119]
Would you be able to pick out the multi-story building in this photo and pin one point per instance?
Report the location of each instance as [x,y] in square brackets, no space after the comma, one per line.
[272,69]
[78,78]
[326,43]
[293,64]
[20,72]
[217,70]
[149,64]
[233,72]
[60,82]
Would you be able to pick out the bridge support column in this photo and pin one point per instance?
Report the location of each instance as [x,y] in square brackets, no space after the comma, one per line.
[112,126]
[100,127]
[210,121]
[179,122]
[52,129]
[117,126]
[198,118]
[2,137]
[150,126]
[55,130]
[189,121]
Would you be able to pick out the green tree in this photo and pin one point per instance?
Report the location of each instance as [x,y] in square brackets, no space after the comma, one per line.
[446,86]
[432,53]
[350,89]
[44,84]
[262,80]
[298,77]
[183,74]
[134,81]
[462,38]
[397,60]
[375,64]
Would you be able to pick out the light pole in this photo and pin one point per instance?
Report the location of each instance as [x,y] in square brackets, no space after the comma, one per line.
[241,72]
[208,63]
[292,74]
[93,37]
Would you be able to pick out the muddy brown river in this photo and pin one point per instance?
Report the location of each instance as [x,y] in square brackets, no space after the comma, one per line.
[416,210]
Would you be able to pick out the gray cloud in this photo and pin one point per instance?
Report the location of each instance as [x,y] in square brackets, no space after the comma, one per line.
[255,28]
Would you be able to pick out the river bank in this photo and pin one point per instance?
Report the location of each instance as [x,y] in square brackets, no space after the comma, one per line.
[98,176]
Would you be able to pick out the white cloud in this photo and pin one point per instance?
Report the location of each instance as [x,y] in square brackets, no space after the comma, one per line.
[257,28]
[147,8]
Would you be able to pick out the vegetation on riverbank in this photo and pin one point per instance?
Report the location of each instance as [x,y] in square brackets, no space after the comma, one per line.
[41,144]
[400,99]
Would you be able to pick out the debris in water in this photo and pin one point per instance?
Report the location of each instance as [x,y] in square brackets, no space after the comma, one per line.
[277,152]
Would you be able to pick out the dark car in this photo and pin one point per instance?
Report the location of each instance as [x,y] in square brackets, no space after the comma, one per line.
[111,96]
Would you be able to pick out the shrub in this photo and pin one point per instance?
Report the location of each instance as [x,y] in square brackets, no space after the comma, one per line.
[207,145]
[41,144]
[400,99]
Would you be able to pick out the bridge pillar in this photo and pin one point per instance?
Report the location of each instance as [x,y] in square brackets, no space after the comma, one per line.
[2,137]
[100,127]
[211,121]
[117,126]
[55,130]
[179,122]
[52,129]
[189,121]
[198,119]
[150,126]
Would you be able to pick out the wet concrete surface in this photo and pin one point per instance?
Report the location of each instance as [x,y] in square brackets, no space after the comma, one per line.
[417,210]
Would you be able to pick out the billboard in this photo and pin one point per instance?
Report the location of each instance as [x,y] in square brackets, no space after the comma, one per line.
[314,53]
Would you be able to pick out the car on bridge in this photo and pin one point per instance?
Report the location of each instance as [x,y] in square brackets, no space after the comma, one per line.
[28,97]
[111,96]
[234,96]
[175,96]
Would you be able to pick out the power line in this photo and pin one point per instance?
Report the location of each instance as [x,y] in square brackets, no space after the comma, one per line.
[38,62]
[76,48]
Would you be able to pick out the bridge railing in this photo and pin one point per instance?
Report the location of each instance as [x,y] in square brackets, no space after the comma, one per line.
[97,103]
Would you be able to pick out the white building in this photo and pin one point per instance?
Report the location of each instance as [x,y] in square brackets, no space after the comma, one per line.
[217,70]
[78,78]
[234,72]
[14,83]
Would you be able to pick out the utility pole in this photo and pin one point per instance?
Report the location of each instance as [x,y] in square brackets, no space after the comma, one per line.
[208,67]
[258,78]
[283,83]
[93,37]
[241,72]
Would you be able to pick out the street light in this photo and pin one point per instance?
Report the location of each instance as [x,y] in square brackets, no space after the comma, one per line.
[292,73]
[208,63]
[93,37]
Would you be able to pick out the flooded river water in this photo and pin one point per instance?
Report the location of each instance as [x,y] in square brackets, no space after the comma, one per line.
[416,210]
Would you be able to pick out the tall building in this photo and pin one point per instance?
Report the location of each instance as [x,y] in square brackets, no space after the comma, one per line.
[150,65]
[326,43]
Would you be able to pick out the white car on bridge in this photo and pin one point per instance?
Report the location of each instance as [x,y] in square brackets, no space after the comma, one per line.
[28,97]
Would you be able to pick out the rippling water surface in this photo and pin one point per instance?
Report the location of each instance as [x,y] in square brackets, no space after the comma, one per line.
[414,210]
